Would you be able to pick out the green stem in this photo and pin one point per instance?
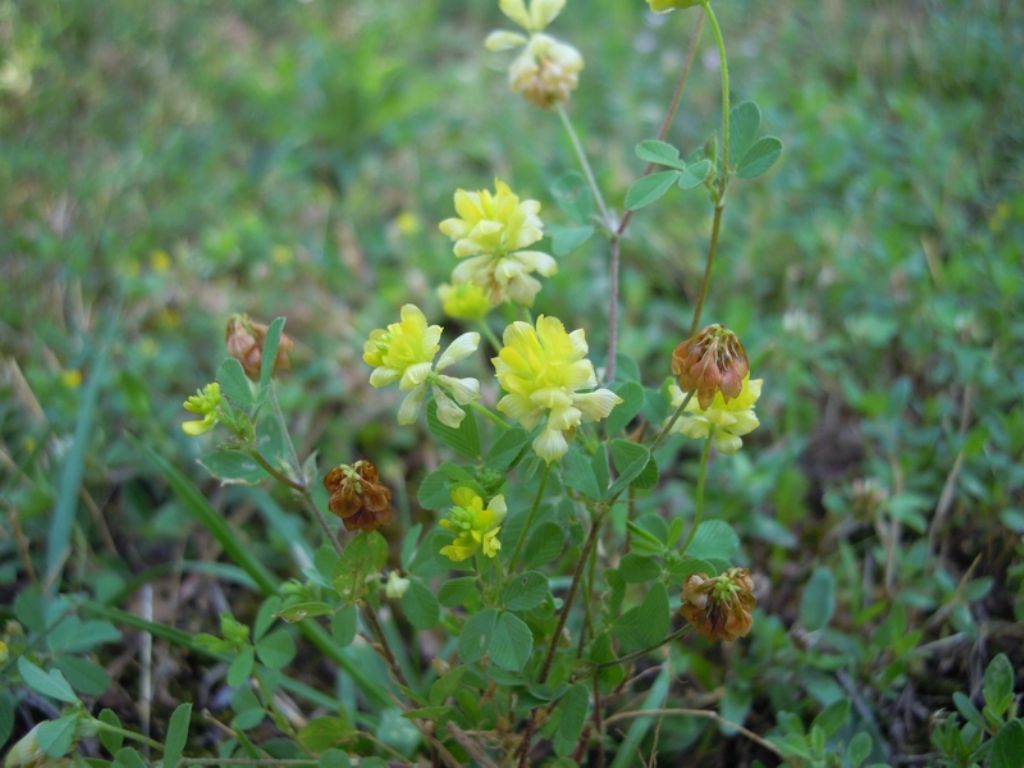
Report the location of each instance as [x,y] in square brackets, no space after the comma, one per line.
[102,726]
[529,519]
[638,654]
[716,226]
[300,487]
[274,472]
[483,410]
[717,31]
[491,337]
[660,438]
[588,173]
[701,477]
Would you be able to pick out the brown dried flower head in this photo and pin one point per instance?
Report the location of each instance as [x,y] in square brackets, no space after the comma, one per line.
[712,360]
[357,496]
[719,607]
[245,339]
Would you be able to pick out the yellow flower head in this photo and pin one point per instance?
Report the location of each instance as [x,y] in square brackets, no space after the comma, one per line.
[726,422]
[206,403]
[542,369]
[547,70]
[492,230]
[664,6]
[475,526]
[405,351]
[464,301]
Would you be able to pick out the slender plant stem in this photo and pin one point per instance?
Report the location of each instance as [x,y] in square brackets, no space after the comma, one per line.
[529,519]
[613,308]
[660,437]
[275,473]
[588,173]
[598,720]
[639,654]
[716,226]
[588,545]
[617,234]
[102,726]
[483,410]
[720,41]
[301,487]
[707,714]
[701,477]
[673,109]
[385,649]
[489,334]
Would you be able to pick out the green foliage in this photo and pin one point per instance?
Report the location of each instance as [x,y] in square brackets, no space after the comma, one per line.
[163,168]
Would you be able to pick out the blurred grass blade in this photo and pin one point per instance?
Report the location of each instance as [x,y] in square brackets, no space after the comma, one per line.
[184,639]
[626,751]
[198,506]
[58,544]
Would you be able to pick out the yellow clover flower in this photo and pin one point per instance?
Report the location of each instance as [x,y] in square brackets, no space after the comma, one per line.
[726,422]
[542,369]
[475,526]
[547,70]
[464,301]
[492,230]
[664,6]
[206,403]
[405,351]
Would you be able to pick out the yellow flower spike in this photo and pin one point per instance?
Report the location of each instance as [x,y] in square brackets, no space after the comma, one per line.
[491,232]
[727,422]
[464,301]
[205,403]
[542,368]
[405,352]
[475,526]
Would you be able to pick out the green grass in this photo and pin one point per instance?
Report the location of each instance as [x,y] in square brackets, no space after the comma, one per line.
[162,168]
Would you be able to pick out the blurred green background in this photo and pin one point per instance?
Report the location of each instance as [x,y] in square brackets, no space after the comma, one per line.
[163,165]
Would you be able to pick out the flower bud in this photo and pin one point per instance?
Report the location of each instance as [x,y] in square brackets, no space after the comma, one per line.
[396,586]
[546,72]
[357,497]
[27,751]
[711,361]
[245,339]
[719,607]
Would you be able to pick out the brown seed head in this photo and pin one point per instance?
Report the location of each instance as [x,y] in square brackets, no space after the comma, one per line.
[245,339]
[357,496]
[719,607]
[712,360]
